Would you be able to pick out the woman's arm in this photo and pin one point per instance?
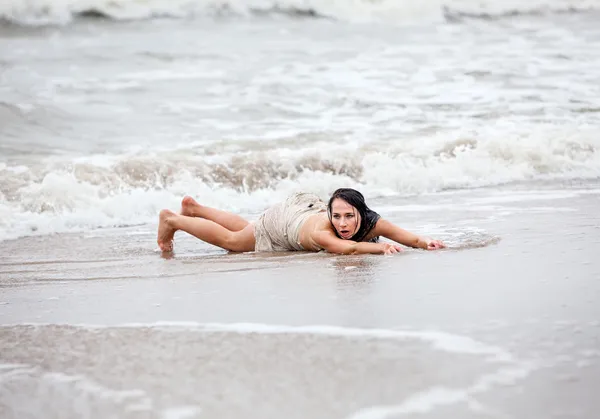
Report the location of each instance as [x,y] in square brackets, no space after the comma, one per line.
[393,232]
[328,241]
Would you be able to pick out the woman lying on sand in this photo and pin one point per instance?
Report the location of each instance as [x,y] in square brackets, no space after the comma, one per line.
[302,222]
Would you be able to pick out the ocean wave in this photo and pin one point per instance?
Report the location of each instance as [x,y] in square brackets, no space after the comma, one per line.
[531,9]
[45,12]
[65,194]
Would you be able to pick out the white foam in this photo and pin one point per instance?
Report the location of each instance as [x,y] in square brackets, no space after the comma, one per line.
[63,194]
[181,412]
[439,340]
[63,11]
[476,206]
[11,367]
[433,398]
[528,196]
[509,372]
[416,404]
[73,395]
[65,389]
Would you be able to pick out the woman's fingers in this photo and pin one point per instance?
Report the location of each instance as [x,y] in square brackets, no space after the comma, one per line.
[435,245]
[392,248]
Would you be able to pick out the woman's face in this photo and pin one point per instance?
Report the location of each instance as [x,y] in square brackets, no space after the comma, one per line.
[345,218]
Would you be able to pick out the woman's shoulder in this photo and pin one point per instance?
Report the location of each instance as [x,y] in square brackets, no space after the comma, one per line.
[318,222]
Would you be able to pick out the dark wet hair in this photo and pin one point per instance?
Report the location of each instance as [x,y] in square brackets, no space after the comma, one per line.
[368,217]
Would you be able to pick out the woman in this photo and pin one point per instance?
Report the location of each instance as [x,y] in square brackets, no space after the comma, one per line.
[345,225]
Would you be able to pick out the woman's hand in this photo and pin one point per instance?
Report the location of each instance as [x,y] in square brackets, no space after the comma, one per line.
[389,249]
[435,244]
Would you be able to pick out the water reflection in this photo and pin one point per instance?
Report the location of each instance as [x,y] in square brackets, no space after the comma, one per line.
[355,272]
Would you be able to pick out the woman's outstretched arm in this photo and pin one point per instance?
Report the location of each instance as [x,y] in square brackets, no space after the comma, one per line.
[328,241]
[393,232]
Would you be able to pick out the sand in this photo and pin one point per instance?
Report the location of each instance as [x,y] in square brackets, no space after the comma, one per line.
[505,323]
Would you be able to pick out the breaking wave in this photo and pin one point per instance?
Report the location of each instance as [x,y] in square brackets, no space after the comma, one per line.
[64,194]
[44,12]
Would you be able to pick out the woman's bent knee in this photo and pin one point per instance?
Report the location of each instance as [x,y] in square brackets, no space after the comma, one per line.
[241,241]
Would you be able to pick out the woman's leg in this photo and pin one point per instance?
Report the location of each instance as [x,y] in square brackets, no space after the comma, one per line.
[205,230]
[233,222]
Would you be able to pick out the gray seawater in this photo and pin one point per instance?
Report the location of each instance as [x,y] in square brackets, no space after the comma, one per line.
[476,123]
[104,122]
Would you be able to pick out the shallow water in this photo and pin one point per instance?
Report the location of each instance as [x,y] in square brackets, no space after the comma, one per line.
[471,122]
[502,324]
[105,122]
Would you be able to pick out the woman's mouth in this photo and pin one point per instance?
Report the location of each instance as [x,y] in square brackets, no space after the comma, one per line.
[344,233]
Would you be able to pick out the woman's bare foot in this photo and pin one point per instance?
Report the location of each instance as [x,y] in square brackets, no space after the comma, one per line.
[165,231]
[189,207]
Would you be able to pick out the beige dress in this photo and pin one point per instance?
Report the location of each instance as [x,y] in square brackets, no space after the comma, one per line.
[278,228]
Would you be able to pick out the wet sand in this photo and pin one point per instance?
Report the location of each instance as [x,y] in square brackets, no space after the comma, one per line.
[505,323]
